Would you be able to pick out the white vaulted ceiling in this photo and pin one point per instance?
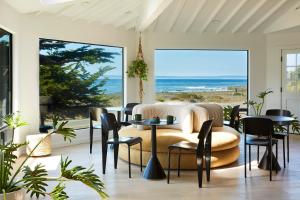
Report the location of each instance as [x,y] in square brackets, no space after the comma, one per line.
[213,16]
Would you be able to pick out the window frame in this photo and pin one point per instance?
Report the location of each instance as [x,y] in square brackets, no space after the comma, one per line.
[86,43]
[10,76]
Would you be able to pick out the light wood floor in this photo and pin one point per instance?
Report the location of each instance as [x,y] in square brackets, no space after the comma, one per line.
[226,183]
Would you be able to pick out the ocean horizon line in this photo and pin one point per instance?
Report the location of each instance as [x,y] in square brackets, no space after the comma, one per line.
[189,77]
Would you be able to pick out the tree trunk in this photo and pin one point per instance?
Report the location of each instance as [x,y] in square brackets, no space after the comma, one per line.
[141,90]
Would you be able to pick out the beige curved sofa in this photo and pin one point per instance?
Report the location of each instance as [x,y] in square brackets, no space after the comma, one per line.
[225,140]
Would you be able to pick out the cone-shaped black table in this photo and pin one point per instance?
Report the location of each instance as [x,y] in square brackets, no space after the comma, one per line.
[279,120]
[153,169]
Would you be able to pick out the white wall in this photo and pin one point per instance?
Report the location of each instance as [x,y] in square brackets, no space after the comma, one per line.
[275,43]
[254,43]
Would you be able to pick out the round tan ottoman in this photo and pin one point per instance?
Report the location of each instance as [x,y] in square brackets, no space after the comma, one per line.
[225,146]
[44,148]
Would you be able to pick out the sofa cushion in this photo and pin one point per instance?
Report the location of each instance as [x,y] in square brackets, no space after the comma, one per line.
[183,114]
[215,112]
[222,138]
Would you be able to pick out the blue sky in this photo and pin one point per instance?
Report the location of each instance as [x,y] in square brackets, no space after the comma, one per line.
[200,63]
[183,62]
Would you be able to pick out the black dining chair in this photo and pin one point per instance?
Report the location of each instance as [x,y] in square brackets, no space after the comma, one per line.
[128,112]
[260,131]
[109,123]
[94,113]
[234,118]
[202,149]
[281,135]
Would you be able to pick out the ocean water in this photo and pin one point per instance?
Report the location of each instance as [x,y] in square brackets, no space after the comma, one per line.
[184,84]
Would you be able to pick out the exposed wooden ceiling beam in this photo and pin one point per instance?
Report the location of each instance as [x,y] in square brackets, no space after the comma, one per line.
[78,15]
[249,15]
[151,10]
[231,15]
[130,8]
[175,14]
[289,19]
[100,7]
[267,15]
[213,15]
[194,15]
[103,12]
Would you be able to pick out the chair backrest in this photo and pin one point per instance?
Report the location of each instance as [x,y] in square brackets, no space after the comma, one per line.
[234,115]
[278,112]
[109,122]
[128,110]
[258,126]
[95,113]
[204,135]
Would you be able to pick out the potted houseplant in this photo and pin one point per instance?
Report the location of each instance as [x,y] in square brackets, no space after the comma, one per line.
[16,180]
[257,107]
[139,69]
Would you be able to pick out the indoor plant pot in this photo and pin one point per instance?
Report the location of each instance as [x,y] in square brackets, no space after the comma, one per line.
[16,195]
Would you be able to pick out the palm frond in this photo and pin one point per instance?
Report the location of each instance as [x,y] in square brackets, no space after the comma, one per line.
[58,192]
[84,175]
[7,160]
[67,133]
[35,180]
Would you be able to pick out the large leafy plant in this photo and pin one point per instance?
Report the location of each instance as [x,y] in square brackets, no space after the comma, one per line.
[34,181]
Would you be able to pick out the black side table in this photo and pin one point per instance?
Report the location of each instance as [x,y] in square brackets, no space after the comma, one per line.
[153,169]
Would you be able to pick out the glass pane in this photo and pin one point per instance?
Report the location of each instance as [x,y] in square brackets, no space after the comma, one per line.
[291,60]
[213,76]
[298,59]
[5,70]
[291,73]
[291,86]
[75,76]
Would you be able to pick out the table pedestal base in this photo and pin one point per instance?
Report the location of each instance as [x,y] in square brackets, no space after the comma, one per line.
[264,163]
[154,169]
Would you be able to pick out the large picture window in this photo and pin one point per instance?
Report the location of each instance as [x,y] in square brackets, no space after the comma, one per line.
[5,73]
[212,76]
[75,76]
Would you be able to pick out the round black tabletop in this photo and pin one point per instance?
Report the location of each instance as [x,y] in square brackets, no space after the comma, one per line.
[147,122]
[281,120]
[278,118]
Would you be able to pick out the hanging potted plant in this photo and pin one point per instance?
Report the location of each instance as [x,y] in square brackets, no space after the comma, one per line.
[139,69]
[16,180]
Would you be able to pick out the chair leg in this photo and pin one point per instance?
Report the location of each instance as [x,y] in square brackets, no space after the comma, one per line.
[249,157]
[276,156]
[257,154]
[129,162]
[116,152]
[178,166]
[169,160]
[283,144]
[288,148]
[208,162]
[245,160]
[91,139]
[270,160]
[141,156]
[200,169]
[104,155]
